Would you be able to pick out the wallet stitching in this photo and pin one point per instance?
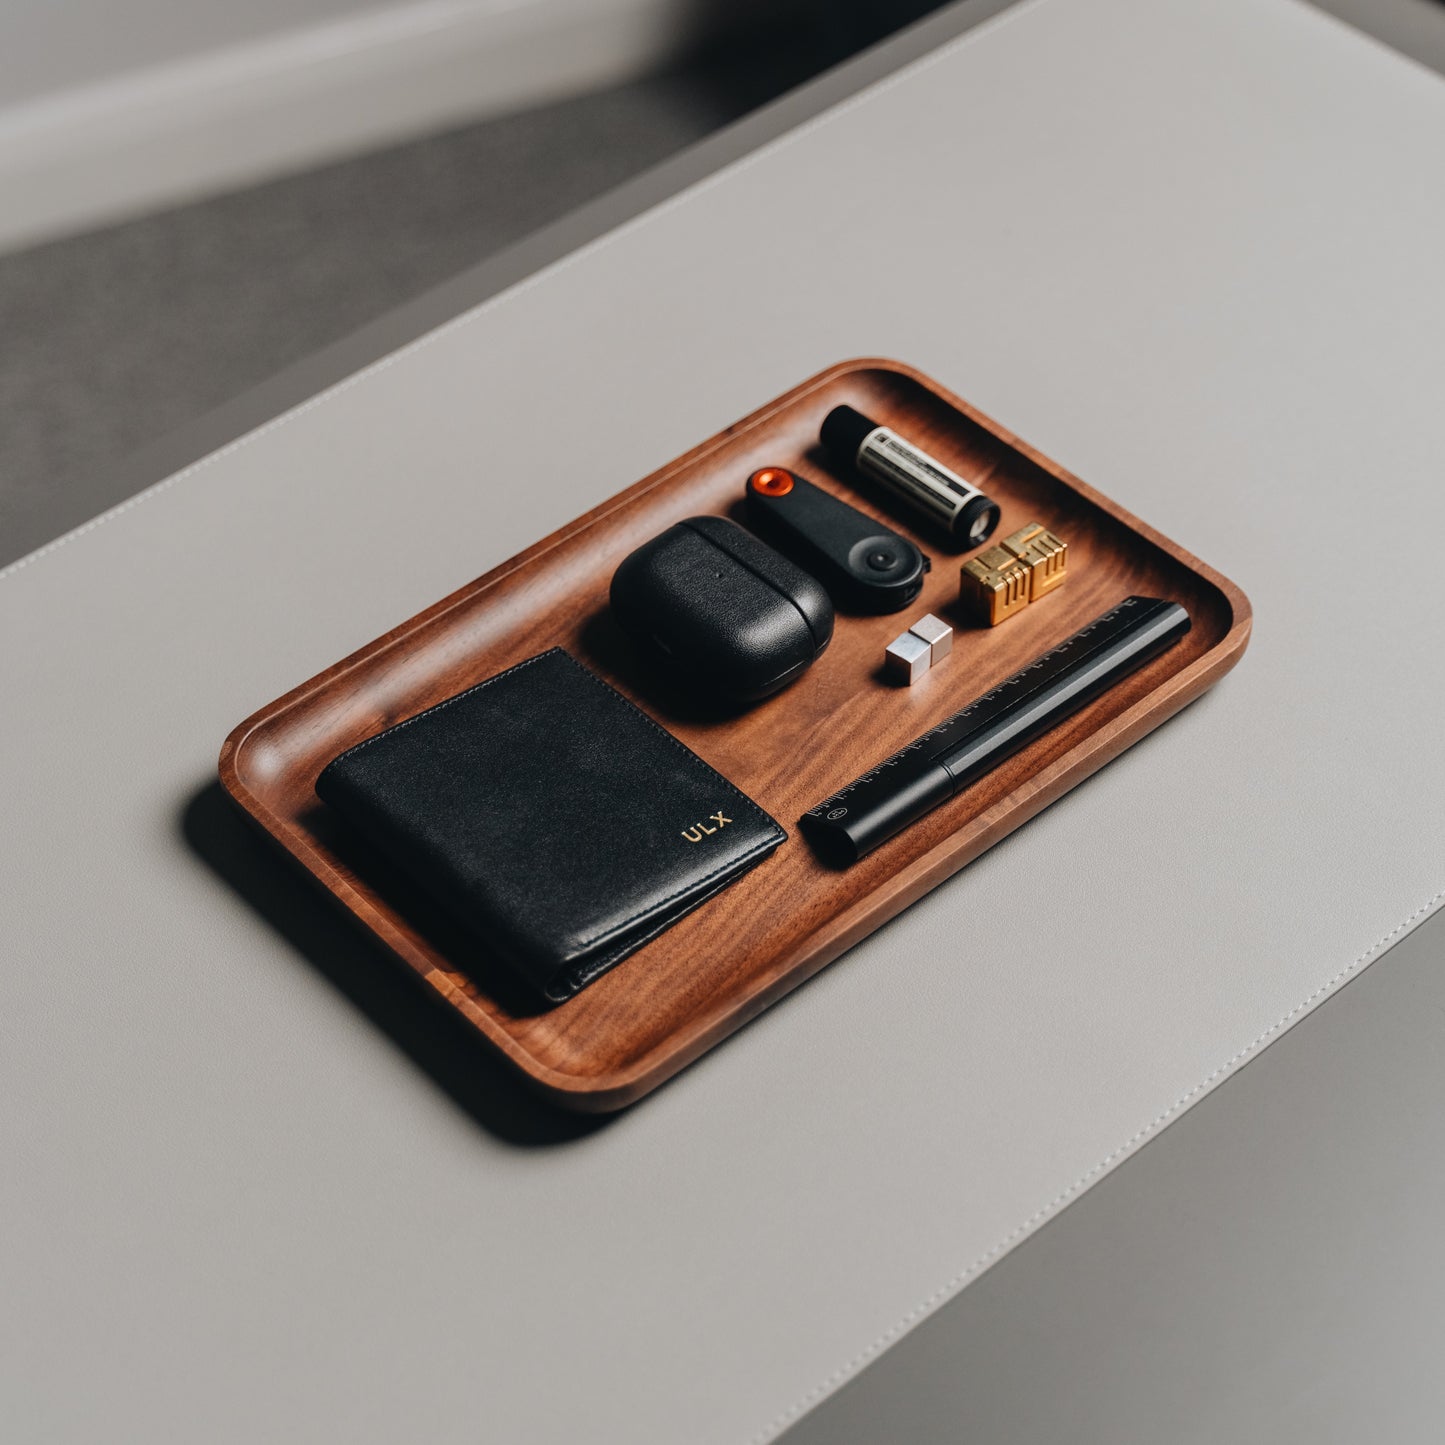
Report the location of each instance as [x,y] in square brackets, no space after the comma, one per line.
[774,836]
[776,830]
[575,979]
[395,728]
[681,746]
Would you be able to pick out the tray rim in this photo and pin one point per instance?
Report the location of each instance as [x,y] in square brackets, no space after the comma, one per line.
[975,835]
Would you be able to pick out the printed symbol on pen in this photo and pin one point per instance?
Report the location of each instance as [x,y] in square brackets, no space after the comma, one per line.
[836,814]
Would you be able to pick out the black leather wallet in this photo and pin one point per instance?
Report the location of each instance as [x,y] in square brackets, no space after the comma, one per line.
[553,818]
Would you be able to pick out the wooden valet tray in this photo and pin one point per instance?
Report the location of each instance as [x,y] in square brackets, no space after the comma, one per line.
[780,923]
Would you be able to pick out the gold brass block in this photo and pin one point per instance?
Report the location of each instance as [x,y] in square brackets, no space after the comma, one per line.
[1045,555]
[995,584]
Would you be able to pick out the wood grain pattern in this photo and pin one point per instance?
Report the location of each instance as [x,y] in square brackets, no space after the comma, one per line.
[728,961]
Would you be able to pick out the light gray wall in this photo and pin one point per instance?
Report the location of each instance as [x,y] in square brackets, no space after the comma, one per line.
[49,46]
[110,110]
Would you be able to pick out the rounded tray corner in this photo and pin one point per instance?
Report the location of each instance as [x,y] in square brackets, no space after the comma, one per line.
[710,973]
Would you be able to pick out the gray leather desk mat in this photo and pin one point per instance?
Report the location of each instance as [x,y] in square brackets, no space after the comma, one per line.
[233,1207]
[1267,1271]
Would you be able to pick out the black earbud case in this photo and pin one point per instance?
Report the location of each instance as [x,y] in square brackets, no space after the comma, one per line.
[720,611]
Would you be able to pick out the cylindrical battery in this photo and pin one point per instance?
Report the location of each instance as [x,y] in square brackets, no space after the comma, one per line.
[943,496]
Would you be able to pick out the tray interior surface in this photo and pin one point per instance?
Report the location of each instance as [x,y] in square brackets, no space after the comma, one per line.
[724,963]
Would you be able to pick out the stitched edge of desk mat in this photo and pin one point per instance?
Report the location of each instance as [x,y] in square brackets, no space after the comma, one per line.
[509,293]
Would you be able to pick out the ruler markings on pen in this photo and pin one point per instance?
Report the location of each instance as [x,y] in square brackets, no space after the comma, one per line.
[1037,673]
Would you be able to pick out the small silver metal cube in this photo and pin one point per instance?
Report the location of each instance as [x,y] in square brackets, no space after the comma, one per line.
[907,658]
[936,633]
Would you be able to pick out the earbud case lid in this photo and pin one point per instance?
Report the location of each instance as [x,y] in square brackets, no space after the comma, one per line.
[720,611]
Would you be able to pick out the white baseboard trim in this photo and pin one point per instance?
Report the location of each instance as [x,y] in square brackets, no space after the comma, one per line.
[104,152]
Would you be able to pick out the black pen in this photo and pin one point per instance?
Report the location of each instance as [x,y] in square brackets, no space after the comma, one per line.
[964,746]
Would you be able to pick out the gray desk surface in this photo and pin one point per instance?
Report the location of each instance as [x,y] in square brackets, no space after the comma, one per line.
[246,1213]
[1268,1271]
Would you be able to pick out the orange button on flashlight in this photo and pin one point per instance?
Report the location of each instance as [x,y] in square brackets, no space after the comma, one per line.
[772,482]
